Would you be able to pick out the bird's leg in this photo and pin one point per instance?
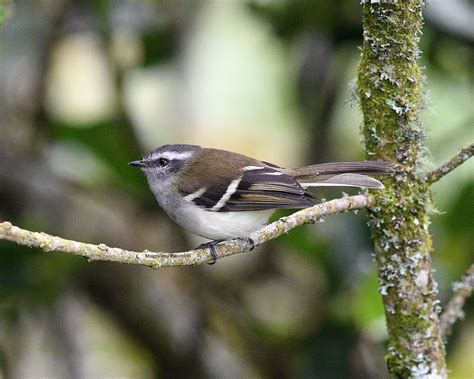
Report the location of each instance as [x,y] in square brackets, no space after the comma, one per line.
[250,241]
[211,245]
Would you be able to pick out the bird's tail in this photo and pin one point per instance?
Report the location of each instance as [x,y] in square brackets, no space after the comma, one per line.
[343,174]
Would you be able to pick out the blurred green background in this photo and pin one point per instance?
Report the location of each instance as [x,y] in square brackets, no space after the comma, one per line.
[87,86]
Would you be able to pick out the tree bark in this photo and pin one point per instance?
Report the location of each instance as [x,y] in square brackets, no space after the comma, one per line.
[390,90]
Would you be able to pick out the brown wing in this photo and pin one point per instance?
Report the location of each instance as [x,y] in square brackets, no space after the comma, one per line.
[231,188]
[267,188]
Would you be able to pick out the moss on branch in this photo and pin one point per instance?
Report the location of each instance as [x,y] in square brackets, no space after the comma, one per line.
[391,96]
[453,311]
[452,164]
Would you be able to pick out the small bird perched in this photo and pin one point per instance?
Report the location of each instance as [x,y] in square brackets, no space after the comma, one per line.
[221,195]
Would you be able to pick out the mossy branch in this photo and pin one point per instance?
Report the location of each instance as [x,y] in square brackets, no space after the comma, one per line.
[102,252]
[449,166]
[453,311]
[390,89]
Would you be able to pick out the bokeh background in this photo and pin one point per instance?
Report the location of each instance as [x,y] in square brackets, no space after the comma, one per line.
[87,86]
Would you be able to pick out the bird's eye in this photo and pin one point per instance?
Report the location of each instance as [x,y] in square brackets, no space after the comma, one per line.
[163,162]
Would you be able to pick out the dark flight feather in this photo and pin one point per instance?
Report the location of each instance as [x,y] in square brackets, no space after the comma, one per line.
[270,187]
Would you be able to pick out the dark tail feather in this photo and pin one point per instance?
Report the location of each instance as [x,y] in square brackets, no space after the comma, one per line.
[350,174]
[335,168]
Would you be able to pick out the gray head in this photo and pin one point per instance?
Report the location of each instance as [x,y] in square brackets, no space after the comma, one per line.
[165,160]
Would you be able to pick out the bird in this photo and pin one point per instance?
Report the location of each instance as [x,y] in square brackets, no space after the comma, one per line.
[221,195]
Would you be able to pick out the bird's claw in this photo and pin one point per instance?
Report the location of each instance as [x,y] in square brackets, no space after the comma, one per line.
[211,246]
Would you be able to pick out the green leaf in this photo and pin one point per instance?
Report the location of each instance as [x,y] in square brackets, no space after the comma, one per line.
[368,308]
[5,10]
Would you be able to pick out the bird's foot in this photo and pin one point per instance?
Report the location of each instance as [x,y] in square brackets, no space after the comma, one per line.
[211,246]
[249,241]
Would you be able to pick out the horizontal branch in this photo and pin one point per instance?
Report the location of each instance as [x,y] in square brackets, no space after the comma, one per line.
[103,252]
[449,166]
[453,311]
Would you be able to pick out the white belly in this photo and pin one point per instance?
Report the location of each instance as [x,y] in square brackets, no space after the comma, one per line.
[204,223]
[220,225]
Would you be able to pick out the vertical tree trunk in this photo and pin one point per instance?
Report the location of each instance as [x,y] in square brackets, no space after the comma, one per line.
[390,90]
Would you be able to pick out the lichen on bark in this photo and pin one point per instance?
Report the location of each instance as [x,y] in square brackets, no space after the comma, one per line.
[390,91]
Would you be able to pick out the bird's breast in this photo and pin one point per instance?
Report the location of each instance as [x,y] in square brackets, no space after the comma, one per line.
[219,225]
[205,223]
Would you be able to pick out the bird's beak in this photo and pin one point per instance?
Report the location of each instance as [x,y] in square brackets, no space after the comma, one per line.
[139,163]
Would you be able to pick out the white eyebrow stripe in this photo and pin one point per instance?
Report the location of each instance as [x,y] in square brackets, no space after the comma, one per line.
[172,155]
[250,168]
[230,191]
[195,194]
